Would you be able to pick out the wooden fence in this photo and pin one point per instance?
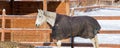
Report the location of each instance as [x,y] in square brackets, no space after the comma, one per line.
[41,36]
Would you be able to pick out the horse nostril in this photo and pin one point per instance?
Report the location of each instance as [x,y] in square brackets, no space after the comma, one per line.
[37,25]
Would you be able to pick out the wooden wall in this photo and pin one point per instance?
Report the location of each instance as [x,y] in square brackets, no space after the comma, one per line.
[5,5]
[20,8]
[30,8]
[61,8]
[24,8]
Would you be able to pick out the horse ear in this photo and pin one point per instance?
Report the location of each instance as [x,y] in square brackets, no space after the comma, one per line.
[40,11]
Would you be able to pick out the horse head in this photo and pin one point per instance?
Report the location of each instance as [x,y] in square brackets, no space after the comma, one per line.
[40,18]
[45,16]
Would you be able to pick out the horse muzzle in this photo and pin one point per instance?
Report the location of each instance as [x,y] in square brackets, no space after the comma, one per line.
[37,25]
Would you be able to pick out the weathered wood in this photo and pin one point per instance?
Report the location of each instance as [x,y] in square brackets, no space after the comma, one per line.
[19,17]
[49,30]
[29,35]
[45,5]
[34,17]
[67,7]
[107,17]
[110,32]
[61,8]
[3,25]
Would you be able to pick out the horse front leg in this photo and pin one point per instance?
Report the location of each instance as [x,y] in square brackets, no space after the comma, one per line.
[95,42]
[59,43]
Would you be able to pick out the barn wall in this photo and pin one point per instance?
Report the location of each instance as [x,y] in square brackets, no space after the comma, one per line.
[30,8]
[24,8]
[53,5]
[5,5]
[20,8]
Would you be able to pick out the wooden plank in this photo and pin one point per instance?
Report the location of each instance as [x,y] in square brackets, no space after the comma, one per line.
[26,30]
[107,17]
[67,7]
[110,32]
[45,5]
[61,8]
[34,17]
[19,17]
[110,6]
[31,36]
[89,7]
[49,30]
[3,25]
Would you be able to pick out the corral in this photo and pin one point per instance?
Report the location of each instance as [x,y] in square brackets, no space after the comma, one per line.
[18,22]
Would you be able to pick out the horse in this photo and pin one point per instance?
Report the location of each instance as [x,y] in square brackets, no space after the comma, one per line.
[64,26]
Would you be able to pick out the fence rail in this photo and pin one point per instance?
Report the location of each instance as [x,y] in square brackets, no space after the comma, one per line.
[3,30]
[49,30]
[34,17]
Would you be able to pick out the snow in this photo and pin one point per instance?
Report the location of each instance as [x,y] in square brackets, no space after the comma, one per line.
[102,39]
[100,12]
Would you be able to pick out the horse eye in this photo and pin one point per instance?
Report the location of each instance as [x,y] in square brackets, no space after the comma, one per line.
[39,16]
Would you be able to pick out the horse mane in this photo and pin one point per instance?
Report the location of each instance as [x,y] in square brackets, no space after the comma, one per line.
[49,14]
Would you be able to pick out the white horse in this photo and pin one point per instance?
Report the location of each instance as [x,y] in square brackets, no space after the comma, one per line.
[50,17]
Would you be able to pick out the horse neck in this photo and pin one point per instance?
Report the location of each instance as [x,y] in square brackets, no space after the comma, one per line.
[51,17]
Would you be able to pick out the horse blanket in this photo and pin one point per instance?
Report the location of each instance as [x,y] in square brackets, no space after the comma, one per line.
[82,26]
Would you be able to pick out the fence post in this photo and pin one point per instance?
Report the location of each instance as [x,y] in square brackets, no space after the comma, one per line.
[71,12]
[45,5]
[3,25]
[67,2]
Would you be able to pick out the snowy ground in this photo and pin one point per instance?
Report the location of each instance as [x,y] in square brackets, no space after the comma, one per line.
[103,39]
[100,12]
